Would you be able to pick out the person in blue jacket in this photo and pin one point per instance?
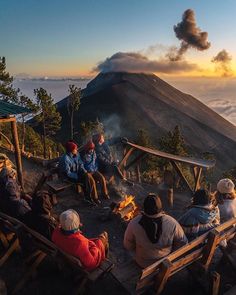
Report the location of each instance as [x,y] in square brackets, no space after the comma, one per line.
[72,168]
[89,158]
[201,216]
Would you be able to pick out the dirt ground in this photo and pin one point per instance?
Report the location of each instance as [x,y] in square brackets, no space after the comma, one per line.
[50,281]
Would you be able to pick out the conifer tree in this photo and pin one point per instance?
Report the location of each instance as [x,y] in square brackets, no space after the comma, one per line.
[73,104]
[48,117]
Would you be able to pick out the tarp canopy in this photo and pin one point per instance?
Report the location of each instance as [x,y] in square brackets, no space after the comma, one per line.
[8,109]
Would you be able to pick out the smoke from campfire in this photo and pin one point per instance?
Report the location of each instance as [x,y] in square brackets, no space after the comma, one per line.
[136,62]
[222,61]
[190,36]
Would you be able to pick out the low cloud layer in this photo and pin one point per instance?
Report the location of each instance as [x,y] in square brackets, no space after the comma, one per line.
[190,36]
[222,62]
[136,62]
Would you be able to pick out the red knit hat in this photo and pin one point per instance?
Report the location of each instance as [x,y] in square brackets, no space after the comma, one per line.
[70,146]
[89,146]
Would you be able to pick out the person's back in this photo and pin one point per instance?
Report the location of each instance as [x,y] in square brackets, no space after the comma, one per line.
[11,200]
[40,218]
[153,234]
[226,199]
[91,252]
[200,217]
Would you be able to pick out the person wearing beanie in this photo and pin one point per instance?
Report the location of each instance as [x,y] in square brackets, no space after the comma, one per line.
[153,234]
[105,161]
[89,158]
[68,237]
[226,199]
[201,216]
[13,201]
[40,218]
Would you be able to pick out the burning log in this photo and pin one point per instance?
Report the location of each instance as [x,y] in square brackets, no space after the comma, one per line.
[122,213]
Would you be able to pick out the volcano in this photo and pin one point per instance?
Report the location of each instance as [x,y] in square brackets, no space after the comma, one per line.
[126,102]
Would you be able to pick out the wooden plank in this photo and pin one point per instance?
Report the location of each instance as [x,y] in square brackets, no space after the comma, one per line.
[163,275]
[175,255]
[7,120]
[215,283]
[180,173]
[197,179]
[17,152]
[125,158]
[208,252]
[58,185]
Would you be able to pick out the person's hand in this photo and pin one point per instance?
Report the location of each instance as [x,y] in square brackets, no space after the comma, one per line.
[124,139]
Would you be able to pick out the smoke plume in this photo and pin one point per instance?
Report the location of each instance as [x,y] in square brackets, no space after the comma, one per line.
[190,36]
[136,62]
[222,61]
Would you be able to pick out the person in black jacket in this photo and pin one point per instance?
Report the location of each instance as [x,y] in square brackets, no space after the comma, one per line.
[106,163]
[13,201]
[41,218]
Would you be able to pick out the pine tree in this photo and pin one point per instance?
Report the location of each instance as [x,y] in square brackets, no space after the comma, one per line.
[7,92]
[73,104]
[48,117]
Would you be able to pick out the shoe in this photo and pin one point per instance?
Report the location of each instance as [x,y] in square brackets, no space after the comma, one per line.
[106,197]
[97,201]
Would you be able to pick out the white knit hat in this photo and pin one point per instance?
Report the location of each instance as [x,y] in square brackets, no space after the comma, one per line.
[225,186]
[70,220]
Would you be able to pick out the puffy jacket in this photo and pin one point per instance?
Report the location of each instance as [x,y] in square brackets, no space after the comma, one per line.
[90,252]
[146,252]
[71,166]
[89,161]
[199,219]
[103,153]
[11,201]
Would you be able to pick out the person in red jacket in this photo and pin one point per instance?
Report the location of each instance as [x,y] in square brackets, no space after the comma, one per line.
[68,237]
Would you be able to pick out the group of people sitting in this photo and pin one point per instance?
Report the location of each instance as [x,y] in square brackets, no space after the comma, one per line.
[89,167]
[151,235]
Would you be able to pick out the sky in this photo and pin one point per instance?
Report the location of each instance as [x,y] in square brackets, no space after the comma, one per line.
[60,38]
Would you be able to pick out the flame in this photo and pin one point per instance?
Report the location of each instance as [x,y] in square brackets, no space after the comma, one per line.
[127,200]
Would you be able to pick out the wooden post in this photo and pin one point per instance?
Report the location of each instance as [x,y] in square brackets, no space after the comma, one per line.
[138,174]
[17,152]
[163,275]
[215,283]
[50,153]
[210,247]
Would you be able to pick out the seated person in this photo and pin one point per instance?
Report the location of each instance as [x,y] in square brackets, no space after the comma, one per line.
[106,163]
[72,168]
[89,158]
[153,234]
[13,201]
[201,215]
[226,199]
[70,164]
[40,218]
[68,237]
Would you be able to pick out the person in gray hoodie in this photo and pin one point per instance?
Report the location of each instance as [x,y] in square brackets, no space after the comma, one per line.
[201,215]
[153,234]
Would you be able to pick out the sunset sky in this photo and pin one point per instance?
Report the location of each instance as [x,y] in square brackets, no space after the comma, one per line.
[69,38]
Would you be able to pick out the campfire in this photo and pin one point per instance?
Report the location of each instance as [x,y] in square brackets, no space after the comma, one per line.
[125,209]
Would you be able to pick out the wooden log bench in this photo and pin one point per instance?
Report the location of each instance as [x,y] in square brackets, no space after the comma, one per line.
[45,248]
[198,252]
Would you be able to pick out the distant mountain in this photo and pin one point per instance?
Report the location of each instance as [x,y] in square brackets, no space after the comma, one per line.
[126,102]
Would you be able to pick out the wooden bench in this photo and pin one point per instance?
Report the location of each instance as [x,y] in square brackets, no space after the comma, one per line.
[198,252]
[45,248]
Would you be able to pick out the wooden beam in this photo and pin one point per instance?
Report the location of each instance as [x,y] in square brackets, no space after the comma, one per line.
[7,140]
[7,120]
[214,283]
[125,158]
[197,179]
[17,152]
[136,160]
[163,275]
[210,248]
[180,173]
